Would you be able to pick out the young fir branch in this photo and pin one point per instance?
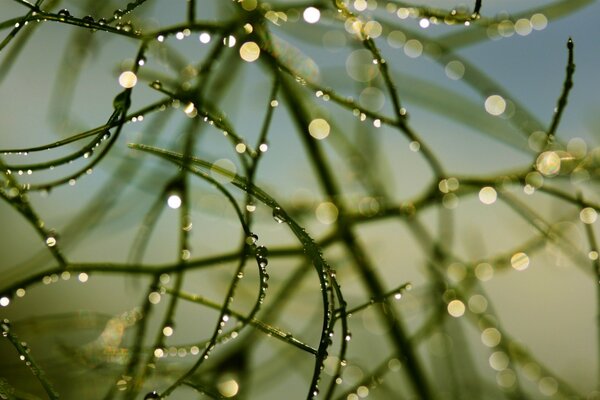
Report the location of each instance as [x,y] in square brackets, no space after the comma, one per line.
[595,260]
[326,279]
[567,85]
[334,307]
[330,187]
[27,358]
[256,323]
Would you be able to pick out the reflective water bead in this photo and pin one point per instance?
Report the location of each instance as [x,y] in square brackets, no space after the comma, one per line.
[51,241]
[251,238]
[278,215]
[5,326]
[64,13]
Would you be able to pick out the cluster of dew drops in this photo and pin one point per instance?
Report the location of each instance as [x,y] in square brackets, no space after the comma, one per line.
[118,14]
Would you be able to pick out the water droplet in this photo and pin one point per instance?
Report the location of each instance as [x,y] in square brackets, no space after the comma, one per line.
[168,331]
[5,326]
[152,395]
[118,13]
[174,201]
[520,261]
[156,85]
[251,238]
[88,19]
[154,297]
[278,215]
[102,21]
[50,241]
[488,195]
[261,251]
[588,215]
[127,27]
[548,163]
[64,13]
[4,301]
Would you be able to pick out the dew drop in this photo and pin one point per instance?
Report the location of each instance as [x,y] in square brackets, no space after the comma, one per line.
[156,85]
[128,79]
[154,297]
[278,215]
[4,301]
[261,251]
[588,215]
[64,13]
[519,261]
[5,326]
[87,20]
[127,27]
[168,331]
[50,241]
[251,239]
[152,395]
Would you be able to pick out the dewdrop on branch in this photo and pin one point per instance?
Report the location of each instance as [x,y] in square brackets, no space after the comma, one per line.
[128,79]
[249,52]
[174,201]
[311,15]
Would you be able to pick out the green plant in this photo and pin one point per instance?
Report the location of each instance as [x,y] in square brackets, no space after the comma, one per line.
[249,217]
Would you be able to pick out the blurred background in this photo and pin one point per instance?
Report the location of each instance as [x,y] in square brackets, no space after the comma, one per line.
[516,315]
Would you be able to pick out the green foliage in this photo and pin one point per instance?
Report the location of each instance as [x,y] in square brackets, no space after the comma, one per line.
[256,199]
